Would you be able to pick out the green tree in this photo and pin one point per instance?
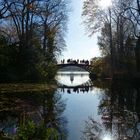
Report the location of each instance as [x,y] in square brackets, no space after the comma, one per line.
[116,29]
[35,30]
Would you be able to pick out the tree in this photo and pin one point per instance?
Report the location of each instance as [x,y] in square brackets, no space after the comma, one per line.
[134,8]
[37,29]
[53,16]
[95,18]
[116,29]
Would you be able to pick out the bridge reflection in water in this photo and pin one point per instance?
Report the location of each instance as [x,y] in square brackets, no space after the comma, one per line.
[72,79]
[74,82]
[78,89]
[106,111]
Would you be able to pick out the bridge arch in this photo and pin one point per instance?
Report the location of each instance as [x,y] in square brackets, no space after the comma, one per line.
[83,66]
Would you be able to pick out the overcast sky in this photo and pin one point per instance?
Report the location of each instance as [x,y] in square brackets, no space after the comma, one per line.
[79,45]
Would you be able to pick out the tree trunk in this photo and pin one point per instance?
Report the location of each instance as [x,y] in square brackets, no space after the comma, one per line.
[45,36]
[137,54]
[111,44]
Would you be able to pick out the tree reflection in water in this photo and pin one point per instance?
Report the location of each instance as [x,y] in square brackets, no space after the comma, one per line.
[120,114]
[92,130]
[44,110]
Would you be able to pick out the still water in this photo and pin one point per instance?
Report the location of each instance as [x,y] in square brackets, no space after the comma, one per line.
[77,110]
[81,101]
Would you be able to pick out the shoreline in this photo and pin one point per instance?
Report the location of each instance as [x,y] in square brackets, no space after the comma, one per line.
[25,87]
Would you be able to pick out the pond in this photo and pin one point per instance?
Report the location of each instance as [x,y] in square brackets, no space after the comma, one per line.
[79,109]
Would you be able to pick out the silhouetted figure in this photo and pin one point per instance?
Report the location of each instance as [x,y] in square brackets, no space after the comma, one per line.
[63,61]
[87,89]
[68,91]
[68,61]
[87,62]
[62,90]
[77,61]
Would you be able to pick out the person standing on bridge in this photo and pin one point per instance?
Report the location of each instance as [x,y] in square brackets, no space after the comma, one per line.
[77,61]
[63,61]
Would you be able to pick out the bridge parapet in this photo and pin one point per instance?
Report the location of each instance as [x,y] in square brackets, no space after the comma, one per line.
[86,67]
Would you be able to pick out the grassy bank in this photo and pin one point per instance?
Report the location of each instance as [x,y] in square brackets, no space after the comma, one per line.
[25,87]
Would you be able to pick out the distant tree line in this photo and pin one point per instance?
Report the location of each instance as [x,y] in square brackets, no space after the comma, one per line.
[31,37]
[119,39]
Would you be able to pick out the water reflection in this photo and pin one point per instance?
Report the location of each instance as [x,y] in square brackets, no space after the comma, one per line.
[77,89]
[72,78]
[103,110]
[32,116]
[119,108]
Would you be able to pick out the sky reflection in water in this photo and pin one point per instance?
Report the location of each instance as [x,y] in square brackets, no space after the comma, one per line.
[107,111]
[80,104]
[72,78]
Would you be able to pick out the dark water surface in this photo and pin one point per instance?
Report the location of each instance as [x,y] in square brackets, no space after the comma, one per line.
[78,110]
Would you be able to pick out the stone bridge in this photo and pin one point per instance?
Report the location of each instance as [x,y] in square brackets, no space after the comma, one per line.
[83,66]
